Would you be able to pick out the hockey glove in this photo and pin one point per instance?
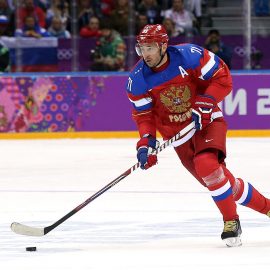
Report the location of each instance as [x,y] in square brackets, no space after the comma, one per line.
[202,111]
[145,147]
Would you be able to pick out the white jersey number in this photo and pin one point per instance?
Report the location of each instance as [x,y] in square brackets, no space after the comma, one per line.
[197,50]
[129,84]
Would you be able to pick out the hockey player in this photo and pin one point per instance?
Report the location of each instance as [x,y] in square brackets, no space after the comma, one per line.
[172,86]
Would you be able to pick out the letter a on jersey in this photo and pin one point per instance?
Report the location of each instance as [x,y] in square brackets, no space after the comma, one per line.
[183,72]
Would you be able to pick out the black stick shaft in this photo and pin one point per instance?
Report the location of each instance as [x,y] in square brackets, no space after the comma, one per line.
[117,180]
[90,199]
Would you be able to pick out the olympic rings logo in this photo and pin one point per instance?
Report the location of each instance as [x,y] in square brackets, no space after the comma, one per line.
[242,51]
[64,54]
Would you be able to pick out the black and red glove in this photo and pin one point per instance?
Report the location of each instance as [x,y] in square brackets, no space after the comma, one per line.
[145,148]
[202,111]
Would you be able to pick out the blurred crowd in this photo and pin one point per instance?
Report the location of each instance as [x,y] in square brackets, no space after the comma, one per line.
[43,18]
[106,20]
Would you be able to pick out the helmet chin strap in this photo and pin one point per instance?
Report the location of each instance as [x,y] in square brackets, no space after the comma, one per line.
[161,58]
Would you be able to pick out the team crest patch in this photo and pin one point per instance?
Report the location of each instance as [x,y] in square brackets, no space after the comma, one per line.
[176,99]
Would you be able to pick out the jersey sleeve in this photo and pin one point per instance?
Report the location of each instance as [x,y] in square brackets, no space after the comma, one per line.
[142,103]
[215,72]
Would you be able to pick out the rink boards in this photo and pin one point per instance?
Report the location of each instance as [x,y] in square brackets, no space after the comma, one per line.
[95,105]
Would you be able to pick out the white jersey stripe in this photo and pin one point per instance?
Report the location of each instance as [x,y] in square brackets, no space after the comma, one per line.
[210,64]
[141,102]
[245,193]
[221,190]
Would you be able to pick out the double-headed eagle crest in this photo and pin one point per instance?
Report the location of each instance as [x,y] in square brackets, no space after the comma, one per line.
[176,98]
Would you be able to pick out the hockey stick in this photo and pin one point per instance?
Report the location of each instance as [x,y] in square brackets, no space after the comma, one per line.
[19,228]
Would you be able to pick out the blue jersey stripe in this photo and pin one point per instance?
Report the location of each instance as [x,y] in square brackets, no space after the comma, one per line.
[223,196]
[211,72]
[249,195]
[144,107]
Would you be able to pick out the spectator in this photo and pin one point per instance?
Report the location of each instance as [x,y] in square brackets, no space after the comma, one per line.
[169,25]
[60,9]
[119,17]
[165,4]
[5,9]
[31,28]
[195,7]
[8,15]
[5,29]
[30,9]
[11,4]
[261,7]
[106,7]
[86,11]
[110,50]
[152,11]
[4,58]
[92,29]
[44,4]
[182,18]
[57,29]
[214,44]
[141,21]
[256,58]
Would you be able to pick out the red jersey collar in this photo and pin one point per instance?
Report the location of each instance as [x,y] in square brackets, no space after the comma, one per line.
[162,67]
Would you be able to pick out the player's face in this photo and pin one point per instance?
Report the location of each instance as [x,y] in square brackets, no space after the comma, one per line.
[150,53]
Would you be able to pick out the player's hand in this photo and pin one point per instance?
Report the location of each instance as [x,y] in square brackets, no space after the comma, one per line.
[202,111]
[145,147]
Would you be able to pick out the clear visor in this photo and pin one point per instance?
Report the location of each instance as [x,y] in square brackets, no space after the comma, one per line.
[147,49]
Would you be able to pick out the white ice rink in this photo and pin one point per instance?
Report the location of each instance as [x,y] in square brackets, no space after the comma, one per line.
[160,219]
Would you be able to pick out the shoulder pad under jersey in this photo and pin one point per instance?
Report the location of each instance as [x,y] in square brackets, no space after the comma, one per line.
[190,54]
[197,58]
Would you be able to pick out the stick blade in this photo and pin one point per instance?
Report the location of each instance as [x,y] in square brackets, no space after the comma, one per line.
[26,230]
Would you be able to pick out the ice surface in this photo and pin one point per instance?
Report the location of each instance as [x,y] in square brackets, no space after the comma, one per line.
[158,219]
